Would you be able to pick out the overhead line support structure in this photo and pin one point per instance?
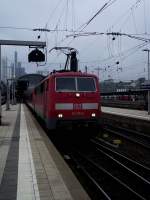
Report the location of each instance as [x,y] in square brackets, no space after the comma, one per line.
[148,65]
[15,43]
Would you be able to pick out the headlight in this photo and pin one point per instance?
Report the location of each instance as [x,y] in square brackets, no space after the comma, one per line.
[93,115]
[77,94]
[60,115]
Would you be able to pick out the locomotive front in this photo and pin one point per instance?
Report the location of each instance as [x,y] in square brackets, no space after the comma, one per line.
[76,100]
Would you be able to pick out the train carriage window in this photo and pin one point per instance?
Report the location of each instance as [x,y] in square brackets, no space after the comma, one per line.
[86,84]
[65,84]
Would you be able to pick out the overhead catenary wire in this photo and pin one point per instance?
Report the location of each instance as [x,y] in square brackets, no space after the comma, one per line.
[44,29]
[130,10]
[134,21]
[125,54]
[127,13]
[66,17]
[36,29]
[73,15]
[58,29]
[106,5]
[83,26]
[145,26]
[52,13]
[133,36]
[16,28]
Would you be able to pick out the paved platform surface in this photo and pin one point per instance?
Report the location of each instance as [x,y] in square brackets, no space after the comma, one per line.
[30,166]
[143,115]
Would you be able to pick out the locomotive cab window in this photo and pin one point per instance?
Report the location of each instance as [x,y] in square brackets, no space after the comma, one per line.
[73,84]
[65,84]
[86,84]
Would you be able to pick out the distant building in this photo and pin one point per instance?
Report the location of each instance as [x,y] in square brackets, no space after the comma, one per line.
[108,86]
[12,70]
[4,69]
[19,71]
[111,86]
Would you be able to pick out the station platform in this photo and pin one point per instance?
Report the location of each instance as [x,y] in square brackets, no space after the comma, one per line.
[137,114]
[30,166]
[135,120]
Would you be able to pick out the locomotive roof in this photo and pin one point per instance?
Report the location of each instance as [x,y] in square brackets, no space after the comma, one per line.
[26,76]
[67,73]
[60,74]
[32,79]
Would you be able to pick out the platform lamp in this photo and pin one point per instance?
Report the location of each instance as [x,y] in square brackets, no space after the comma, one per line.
[148,65]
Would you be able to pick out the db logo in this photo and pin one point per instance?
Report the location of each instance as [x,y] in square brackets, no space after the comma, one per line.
[77,106]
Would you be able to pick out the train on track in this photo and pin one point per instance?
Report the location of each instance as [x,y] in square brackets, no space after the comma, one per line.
[132,99]
[66,98]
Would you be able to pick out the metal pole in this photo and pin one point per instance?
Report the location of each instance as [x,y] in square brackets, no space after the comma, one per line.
[13,96]
[0,91]
[148,94]
[15,66]
[148,83]
[86,69]
[8,96]
[12,93]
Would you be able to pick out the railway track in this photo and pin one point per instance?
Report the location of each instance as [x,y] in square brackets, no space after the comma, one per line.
[111,174]
[141,170]
[130,135]
[117,176]
[112,186]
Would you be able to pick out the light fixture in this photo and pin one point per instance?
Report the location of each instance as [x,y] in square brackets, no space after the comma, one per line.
[93,115]
[60,115]
[77,95]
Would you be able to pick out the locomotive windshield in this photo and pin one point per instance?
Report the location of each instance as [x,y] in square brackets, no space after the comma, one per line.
[86,84]
[65,84]
[80,84]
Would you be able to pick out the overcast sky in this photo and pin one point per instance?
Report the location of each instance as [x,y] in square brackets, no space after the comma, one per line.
[124,16]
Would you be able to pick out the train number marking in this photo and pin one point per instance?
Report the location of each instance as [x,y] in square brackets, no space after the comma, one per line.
[77,106]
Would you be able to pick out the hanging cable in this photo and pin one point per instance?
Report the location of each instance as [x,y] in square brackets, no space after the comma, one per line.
[82,27]
[106,5]
[125,54]
[133,36]
[145,26]
[126,15]
[66,20]
[16,28]
[52,13]
[134,22]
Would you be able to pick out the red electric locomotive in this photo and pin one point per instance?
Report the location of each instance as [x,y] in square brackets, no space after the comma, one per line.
[68,97]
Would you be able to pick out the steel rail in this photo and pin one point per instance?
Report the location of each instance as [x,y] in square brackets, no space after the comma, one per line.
[91,178]
[97,142]
[95,165]
[130,138]
[124,166]
[135,132]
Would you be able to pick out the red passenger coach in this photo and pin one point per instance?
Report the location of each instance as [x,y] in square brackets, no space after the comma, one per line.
[68,98]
